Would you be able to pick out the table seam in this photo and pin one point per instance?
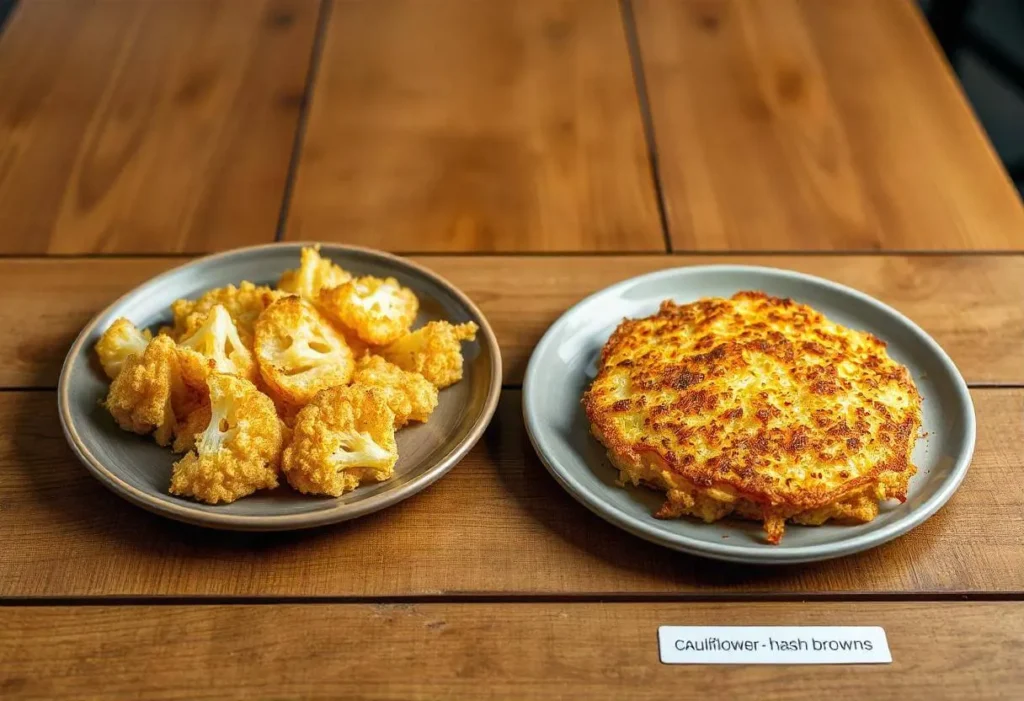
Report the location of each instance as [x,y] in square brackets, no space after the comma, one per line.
[315,59]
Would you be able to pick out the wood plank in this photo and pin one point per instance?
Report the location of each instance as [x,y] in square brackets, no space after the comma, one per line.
[799,124]
[487,651]
[148,126]
[458,125]
[498,524]
[971,305]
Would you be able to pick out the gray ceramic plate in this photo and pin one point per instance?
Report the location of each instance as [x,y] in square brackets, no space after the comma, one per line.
[564,363]
[139,470]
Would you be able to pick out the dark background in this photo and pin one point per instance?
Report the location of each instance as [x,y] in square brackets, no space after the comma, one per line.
[984,40]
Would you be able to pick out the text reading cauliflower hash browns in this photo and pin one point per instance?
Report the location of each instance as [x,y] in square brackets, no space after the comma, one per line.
[310,380]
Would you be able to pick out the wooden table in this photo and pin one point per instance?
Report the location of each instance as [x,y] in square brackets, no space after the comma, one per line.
[531,151]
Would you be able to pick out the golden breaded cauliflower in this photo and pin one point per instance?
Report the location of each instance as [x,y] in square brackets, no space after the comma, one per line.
[313,274]
[244,303]
[299,353]
[120,340]
[408,394]
[345,436]
[239,451]
[434,351]
[142,398]
[215,347]
[377,311]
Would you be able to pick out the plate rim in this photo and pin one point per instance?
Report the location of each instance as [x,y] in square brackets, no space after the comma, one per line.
[760,553]
[186,511]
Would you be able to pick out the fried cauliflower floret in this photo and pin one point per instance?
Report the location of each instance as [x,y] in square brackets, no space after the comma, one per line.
[143,396]
[240,449]
[376,310]
[434,351]
[299,353]
[345,436]
[313,274]
[215,347]
[408,394]
[244,304]
[120,340]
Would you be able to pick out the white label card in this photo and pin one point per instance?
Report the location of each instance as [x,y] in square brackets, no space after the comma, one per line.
[773,645]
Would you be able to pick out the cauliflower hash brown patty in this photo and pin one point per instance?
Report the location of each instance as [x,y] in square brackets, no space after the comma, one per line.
[756,407]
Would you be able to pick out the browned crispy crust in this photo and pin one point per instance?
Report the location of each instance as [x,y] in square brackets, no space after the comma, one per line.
[755,406]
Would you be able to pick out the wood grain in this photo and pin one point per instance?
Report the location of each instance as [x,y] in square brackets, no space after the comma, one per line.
[971,305]
[799,124]
[148,126]
[487,651]
[497,524]
[458,125]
